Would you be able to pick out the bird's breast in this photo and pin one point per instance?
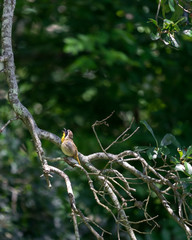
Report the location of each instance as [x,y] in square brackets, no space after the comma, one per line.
[68,148]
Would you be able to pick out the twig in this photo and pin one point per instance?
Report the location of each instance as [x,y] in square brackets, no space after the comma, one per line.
[122,135]
[98,123]
[7,123]
[158,9]
[184,9]
[99,237]
[144,220]
[72,201]
[101,122]
[136,230]
[92,188]
[73,214]
[129,136]
[71,197]
[114,199]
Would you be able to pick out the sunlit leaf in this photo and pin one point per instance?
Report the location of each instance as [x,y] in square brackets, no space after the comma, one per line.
[180,167]
[167,24]
[188,168]
[73,46]
[174,41]
[170,39]
[182,153]
[188,33]
[153,21]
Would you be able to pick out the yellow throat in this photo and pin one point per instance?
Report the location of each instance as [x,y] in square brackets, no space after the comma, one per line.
[63,137]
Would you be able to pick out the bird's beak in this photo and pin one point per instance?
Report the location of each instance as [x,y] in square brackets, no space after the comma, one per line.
[66,132]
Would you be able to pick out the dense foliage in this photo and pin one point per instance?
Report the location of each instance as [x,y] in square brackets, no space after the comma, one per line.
[76,63]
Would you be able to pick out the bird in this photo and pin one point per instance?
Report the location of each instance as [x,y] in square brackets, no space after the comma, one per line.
[68,147]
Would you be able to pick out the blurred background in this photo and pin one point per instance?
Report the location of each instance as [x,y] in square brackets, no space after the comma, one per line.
[76,62]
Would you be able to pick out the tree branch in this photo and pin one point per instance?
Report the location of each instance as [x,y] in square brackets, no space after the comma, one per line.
[20,110]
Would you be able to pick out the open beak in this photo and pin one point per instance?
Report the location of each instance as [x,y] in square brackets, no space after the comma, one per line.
[65,133]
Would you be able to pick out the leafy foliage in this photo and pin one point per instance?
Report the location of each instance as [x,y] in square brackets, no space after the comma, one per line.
[163,152]
[176,21]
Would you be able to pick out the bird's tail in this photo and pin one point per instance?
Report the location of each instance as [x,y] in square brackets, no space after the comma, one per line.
[77,158]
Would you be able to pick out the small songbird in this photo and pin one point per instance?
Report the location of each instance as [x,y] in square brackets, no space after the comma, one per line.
[68,147]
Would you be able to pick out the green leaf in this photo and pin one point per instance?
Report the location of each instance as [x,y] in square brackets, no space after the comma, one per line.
[165,8]
[140,148]
[83,63]
[150,153]
[29,10]
[174,42]
[188,33]
[186,180]
[150,130]
[177,14]
[174,160]
[182,153]
[151,20]
[154,36]
[171,5]
[189,152]
[170,39]
[111,56]
[169,139]
[188,168]
[164,150]
[181,20]
[73,46]
[167,24]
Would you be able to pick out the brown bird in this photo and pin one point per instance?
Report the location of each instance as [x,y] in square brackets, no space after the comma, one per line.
[68,147]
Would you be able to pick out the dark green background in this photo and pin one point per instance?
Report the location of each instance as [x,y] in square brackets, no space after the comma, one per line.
[76,62]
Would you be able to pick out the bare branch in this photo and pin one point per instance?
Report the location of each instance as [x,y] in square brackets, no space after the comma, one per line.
[73,204]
